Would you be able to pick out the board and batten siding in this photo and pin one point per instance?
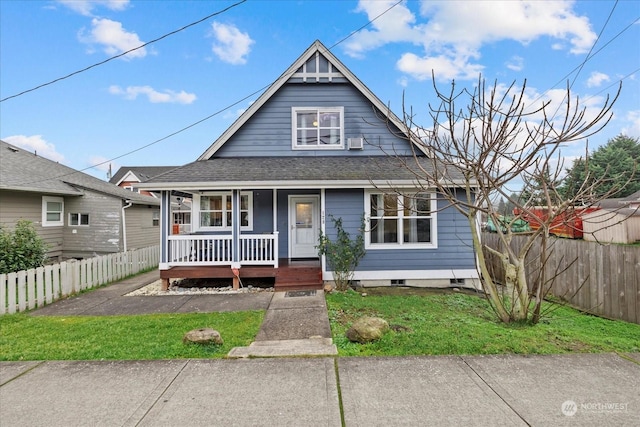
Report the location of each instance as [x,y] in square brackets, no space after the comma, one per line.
[454,247]
[17,205]
[269,131]
[141,232]
[103,235]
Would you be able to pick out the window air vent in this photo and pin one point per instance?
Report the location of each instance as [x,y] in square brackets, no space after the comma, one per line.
[355,143]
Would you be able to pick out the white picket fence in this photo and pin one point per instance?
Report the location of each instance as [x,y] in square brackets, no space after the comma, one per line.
[29,289]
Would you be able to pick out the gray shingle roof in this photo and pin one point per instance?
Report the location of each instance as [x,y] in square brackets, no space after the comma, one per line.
[21,170]
[301,169]
[144,173]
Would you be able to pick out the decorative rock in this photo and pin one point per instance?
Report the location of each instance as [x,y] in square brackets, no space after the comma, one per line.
[328,288]
[203,336]
[367,329]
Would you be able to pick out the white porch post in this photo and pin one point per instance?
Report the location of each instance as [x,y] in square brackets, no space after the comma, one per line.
[276,234]
[165,227]
[323,228]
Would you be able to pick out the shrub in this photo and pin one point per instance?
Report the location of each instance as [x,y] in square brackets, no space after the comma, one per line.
[22,248]
[343,254]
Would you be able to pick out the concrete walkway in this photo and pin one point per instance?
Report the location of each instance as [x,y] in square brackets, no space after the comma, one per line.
[576,389]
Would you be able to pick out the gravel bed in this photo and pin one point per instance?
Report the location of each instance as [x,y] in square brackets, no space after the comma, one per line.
[200,287]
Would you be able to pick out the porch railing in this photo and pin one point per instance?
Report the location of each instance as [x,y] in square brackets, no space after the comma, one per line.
[255,249]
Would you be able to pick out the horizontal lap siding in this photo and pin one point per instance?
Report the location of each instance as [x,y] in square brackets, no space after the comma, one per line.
[22,205]
[454,238]
[141,232]
[103,235]
[268,132]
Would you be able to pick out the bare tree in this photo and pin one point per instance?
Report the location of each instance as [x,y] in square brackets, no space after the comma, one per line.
[487,142]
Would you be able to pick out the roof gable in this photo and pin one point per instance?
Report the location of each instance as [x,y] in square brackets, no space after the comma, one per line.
[316,64]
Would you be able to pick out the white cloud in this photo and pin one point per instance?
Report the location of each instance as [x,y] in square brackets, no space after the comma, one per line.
[113,38]
[633,129]
[231,44]
[36,144]
[596,79]
[85,7]
[516,63]
[155,97]
[452,34]
[102,164]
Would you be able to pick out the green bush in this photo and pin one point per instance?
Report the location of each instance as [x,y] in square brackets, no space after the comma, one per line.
[22,248]
[343,254]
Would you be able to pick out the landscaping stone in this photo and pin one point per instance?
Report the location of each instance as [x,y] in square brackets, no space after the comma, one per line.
[367,329]
[203,336]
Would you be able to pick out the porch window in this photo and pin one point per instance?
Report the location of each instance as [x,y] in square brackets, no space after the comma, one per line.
[318,128]
[215,211]
[79,219]
[400,220]
[52,211]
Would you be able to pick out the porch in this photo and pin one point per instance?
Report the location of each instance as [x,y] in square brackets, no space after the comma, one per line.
[288,275]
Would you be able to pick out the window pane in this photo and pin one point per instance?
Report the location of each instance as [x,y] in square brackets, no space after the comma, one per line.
[54,207]
[331,119]
[374,201]
[330,136]
[244,219]
[307,137]
[390,205]
[417,230]
[307,119]
[244,202]
[53,216]
[229,219]
[84,219]
[390,230]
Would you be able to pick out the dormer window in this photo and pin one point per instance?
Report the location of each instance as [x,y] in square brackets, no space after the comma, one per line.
[318,128]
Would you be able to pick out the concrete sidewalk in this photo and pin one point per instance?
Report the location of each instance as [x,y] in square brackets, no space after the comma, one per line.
[576,389]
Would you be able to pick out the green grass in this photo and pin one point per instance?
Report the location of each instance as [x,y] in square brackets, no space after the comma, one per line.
[157,336]
[463,324]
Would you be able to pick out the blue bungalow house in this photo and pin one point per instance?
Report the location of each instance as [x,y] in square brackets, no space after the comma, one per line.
[317,143]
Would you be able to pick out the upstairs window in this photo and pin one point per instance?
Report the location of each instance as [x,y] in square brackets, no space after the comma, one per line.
[318,128]
[52,211]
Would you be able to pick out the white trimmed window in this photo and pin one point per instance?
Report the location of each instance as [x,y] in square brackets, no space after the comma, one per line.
[52,211]
[317,128]
[215,211]
[79,219]
[400,220]
[155,219]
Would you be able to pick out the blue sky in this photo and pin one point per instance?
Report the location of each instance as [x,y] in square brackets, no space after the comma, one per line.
[110,112]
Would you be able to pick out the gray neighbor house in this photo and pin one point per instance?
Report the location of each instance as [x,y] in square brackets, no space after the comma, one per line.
[77,215]
[314,146]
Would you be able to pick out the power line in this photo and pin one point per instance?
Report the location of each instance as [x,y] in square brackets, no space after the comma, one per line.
[123,53]
[217,112]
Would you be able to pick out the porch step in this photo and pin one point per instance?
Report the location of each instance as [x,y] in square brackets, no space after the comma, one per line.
[298,278]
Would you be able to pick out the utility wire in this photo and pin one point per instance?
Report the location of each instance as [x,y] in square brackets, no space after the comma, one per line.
[123,53]
[219,111]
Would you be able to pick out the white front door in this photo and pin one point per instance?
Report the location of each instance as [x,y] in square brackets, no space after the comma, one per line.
[303,226]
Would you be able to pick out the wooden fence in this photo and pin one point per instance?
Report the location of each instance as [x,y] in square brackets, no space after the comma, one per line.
[601,279]
[29,289]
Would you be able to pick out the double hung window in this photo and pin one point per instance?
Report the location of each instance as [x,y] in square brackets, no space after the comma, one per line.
[52,211]
[400,220]
[318,128]
[216,211]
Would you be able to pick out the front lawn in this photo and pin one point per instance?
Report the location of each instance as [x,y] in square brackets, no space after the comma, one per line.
[156,336]
[429,323]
